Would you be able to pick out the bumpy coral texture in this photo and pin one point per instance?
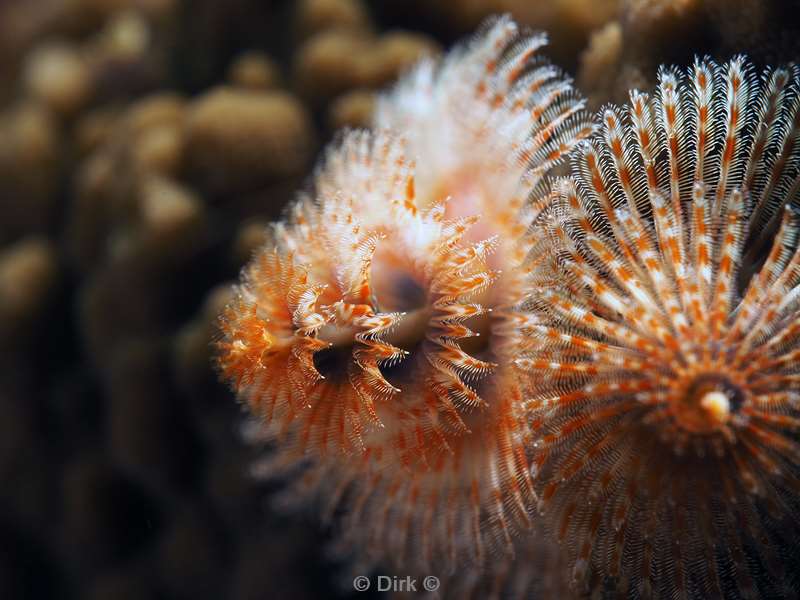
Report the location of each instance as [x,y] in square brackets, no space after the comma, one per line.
[665,400]
[375,336]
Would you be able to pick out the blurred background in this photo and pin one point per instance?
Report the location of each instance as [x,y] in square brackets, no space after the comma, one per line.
[144,145]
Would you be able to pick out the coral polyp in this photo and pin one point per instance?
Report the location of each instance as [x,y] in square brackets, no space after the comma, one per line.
[665,401]
[374,338]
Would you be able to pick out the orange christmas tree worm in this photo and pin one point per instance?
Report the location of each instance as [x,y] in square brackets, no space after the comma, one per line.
[375,337]
[665,393]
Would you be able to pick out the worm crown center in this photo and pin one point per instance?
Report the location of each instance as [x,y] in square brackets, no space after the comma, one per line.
[707,404]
